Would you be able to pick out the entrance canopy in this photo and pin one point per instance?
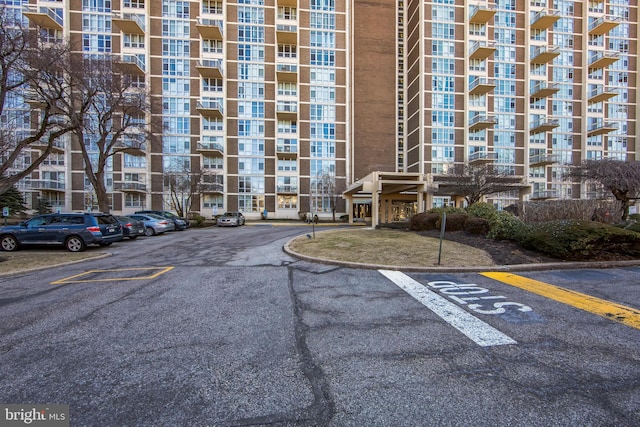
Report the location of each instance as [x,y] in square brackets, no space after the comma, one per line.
[383,190]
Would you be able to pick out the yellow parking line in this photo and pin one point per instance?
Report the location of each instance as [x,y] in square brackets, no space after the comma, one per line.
[610,310]
[69,279]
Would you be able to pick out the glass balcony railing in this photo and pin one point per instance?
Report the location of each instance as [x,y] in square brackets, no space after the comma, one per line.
[44,17]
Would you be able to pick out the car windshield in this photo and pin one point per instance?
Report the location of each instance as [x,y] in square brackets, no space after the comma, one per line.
[230,214]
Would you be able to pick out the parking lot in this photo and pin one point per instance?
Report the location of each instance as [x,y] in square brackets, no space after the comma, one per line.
[220,327]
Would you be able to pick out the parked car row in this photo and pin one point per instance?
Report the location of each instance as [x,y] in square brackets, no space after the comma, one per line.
[76,231]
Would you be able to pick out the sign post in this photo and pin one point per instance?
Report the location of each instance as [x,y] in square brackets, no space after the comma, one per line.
[5,214]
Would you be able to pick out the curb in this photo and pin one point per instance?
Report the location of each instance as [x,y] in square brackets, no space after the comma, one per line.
[475,269]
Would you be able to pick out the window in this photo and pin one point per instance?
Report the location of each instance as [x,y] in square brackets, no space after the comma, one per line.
[212,163]
[250,33]
[136,4]
[212,6]
[135,200]
[288,13]
[323,20]
[212,85]
[323,57]
[135,41]
[287,165]
[287,51]
[287,202]
[323,5]
[287,126]
[251,15]
[134,161]
[97,23]
[288,89]
[96,43]
[175,9]
[212,46]
[175,28]
[323,39]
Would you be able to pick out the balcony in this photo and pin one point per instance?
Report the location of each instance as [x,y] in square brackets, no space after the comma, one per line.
[287,110]
[43,17]
[544,194]
[480,157]
[210,107]
[603,25]
[482,13]
[212,187]
[543,160]
[212,184]
[287,188]
[482,49]
[213,149]
[603,59]
[132,64]
[287,34]
[129,23]
[545,19]
[130,187]
[482,121]
[481,86]
[48,185]
[210,68]
[600,128]
[544,89]
[132,147]
[544,125]
[287,72]
[56,147]
[210,28]
[544,54]
[600,94]
[286,150]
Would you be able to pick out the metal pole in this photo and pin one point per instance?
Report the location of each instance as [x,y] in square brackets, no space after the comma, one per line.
[442,228]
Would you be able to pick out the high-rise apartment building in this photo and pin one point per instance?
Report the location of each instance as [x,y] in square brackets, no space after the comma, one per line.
[248,97]
[283,104]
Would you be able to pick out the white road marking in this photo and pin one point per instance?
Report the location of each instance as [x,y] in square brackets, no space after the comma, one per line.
[475,329]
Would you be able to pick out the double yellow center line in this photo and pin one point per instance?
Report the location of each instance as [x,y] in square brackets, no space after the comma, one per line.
[607,309]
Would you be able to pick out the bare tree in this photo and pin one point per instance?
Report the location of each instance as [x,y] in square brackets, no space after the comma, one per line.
[332,188]
[620,177]
[186,189]
[31,91]
[108,112]
[473,182]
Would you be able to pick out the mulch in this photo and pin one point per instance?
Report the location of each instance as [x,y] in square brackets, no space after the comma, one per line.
[503,252]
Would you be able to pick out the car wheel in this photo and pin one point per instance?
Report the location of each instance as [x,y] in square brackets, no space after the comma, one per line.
[9,243]
[74,244]
[133,237]
[148,231]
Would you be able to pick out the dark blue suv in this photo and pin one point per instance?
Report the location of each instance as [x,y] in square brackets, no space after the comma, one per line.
[73,230]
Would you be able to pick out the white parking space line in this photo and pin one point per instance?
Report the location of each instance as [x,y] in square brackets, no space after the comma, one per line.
[475,329]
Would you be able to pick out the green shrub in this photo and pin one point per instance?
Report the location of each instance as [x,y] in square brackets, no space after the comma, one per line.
[506,226]
[482,210]
[199,221]
[476,225]
[424,221]
[580,240]
[454,222]
[629,225]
